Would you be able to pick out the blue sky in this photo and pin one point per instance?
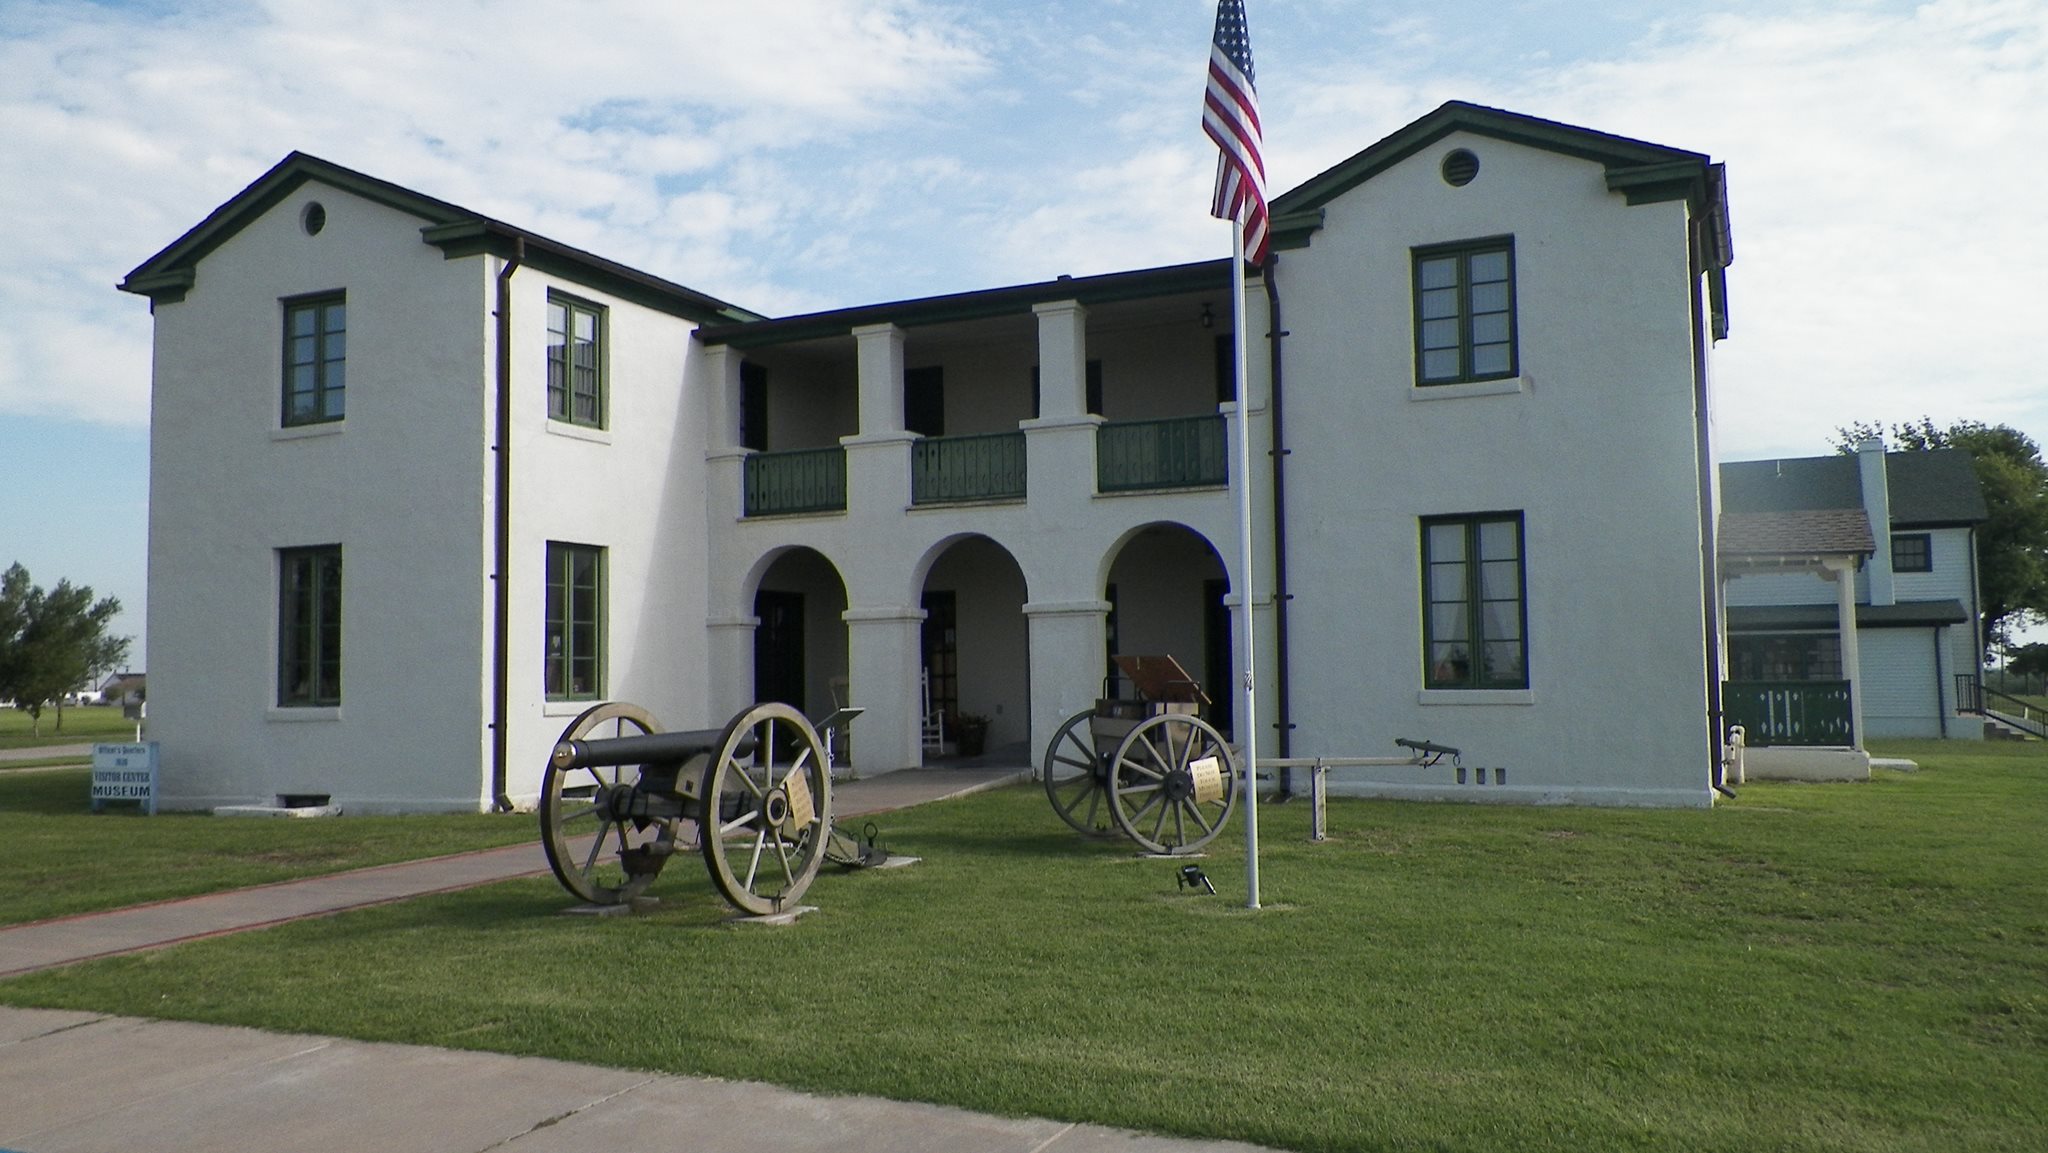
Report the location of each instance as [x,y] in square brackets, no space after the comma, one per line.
[1885,162]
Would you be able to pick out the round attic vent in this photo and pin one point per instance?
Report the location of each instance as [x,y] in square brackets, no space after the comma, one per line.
[313,219]
[1460,166]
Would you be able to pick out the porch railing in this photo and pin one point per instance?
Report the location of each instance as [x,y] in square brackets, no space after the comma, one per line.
[1184,452]
[1969,693]
[949,469]
[1789,712]
[806,480]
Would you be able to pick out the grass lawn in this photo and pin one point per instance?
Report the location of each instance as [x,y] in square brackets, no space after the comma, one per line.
[59,857]
[82,725]
[1827,967]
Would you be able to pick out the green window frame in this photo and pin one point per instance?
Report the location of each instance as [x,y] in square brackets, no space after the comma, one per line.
[576,361]
[1912,552]
[1465,312]
[309,626]
[573,644]
[1475,615]
[315,359]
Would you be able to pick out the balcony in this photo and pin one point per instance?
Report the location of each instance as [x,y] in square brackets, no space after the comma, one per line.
[958,469]
[1789,712]
[1141,455]
[809,480]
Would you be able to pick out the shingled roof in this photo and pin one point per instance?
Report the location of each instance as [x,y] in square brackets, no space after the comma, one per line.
[1798,532]
[1926,489]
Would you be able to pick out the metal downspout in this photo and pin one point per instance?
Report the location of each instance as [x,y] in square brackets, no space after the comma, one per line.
[1282,683]
[501,593]
[1710,562]
[1940,705]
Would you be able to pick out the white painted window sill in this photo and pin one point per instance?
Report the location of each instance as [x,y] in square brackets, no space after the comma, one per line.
[1476,697]
[1509,387]
[289,715]
[579,432]
[308,431]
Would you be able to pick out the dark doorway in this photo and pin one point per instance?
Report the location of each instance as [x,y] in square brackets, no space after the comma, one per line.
[779,647]
[942,650]
[924,401]
[1216,680]
[753,406]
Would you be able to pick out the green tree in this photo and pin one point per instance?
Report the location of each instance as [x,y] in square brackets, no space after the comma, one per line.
[2012,546]
[2028,662]
[52,642]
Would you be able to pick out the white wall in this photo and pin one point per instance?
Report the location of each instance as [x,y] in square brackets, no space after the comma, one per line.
[1594,445]
[398,484]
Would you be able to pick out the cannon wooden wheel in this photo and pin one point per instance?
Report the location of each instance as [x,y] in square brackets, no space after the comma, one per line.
[1172,783]
[627,851]
[765,802]
[1074,775]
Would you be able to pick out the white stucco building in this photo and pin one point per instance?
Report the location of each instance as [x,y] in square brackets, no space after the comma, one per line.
[425,484]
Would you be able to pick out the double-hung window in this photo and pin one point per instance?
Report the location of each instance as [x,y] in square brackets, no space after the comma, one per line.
[575,361]
[574,643]
[1474,618]
[315,359]
[1465,312]
[309,626]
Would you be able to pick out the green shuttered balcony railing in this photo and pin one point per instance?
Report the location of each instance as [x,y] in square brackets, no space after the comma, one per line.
[1789,712]
[807,480]
[951,469]
[1186,452]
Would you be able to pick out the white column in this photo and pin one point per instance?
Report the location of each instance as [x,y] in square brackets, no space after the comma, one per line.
[878,357]
[731,680]
[1062,359]
[1842,571]
[878,457]
[882,658]
[1877,505]
[722,397]
[1067,664]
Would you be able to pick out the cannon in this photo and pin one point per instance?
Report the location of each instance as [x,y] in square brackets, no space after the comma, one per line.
[1164,776]
[754,799]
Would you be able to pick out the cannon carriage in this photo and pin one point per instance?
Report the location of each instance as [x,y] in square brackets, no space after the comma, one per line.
[620,797]
[1147,763]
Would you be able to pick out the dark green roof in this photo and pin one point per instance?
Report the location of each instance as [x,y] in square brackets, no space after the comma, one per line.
[1925,489]
[455,230]
[1204,276]
[1789,618]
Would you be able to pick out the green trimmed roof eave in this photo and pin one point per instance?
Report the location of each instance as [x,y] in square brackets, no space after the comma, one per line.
[1207,275]
[483,236]
[167,276]
[1643,172]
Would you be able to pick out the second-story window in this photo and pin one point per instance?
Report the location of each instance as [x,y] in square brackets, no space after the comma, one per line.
[315,359]
[1465,312]
[575,361]
[1912,552]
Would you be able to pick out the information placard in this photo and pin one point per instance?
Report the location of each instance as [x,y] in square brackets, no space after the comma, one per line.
[125,773]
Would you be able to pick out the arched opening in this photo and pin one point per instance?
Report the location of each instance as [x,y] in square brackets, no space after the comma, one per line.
[800,649]
[1166,590]
[975,650]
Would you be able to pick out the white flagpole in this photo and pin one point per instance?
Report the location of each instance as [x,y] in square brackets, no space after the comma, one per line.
[1247,719]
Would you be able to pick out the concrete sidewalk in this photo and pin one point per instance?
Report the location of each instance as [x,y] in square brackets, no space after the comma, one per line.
[84,1083]
[65,940]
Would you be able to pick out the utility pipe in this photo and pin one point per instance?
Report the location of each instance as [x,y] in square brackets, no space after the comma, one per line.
[501,593]
[1284,711]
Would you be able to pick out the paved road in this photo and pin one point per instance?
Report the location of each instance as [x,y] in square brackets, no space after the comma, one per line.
[45,752]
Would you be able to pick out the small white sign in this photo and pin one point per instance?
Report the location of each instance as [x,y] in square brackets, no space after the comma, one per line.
[125,773]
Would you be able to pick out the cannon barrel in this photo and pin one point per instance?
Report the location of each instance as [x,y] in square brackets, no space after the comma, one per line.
[1426,747]
[644,749]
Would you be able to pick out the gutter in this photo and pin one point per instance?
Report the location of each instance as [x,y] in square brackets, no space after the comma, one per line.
[1710,562]
[501,530]
[1284,719]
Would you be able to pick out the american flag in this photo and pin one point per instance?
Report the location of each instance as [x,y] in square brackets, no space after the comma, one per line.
[1230,115]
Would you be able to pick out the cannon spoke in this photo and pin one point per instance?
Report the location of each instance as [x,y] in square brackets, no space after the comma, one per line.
[1172,783]
[769,771]
[1072,773]
[621,858]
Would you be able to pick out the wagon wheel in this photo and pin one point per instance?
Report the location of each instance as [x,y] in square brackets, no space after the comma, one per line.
[624,854]
[767,804]
[1172,783]
[1073,773]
